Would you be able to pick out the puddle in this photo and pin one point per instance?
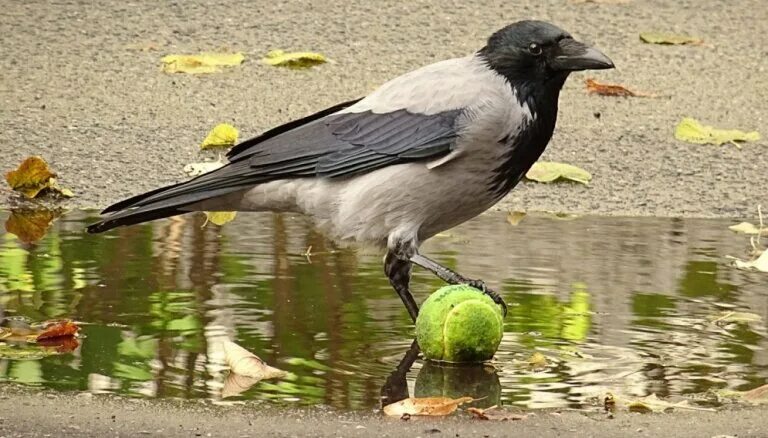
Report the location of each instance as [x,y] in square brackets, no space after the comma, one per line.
[615,304]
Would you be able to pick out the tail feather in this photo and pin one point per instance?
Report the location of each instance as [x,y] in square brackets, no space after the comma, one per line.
[137,210]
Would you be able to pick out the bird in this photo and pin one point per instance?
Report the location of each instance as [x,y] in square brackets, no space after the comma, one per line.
[421,154]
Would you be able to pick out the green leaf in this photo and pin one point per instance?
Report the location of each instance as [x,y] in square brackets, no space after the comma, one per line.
[293,59]
[692,131]
[549,171]
[668,38]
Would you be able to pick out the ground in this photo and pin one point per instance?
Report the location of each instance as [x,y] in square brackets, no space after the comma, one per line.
[24,413]
[81,86]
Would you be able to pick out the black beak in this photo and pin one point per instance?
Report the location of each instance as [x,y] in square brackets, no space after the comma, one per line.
[573,55]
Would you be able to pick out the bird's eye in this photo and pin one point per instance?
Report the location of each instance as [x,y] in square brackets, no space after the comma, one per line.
[534,49]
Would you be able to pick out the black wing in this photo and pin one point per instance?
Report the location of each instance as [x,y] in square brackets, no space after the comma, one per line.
[326,144]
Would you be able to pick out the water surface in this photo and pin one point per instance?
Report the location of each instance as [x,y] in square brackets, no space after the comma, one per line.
[615,304]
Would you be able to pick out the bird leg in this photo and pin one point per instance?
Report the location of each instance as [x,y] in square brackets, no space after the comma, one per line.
[398,270]
[452,277]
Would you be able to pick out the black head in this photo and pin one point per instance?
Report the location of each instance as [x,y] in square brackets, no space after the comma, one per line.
[538,53]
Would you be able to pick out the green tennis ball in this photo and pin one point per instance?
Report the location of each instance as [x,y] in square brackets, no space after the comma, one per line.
[459,324]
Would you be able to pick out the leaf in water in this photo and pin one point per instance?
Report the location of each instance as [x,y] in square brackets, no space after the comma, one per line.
[538,361]
[495,414]
[434,406]
[669,38]
[195,169]
[735,317]
[202,63]
[235,384]
[245,363]
[58,329]
[760,264]
[30,225]
[62,344]
[222,136]
[548,171]
[595,87]
[27,352]
[652,403]
[293,59]
[692,131]
[515,217]
[758,395]
[219,217]
[748,228]
[33,176]
[308,363]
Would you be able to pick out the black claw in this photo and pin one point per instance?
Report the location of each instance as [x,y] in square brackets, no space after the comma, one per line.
[480,284]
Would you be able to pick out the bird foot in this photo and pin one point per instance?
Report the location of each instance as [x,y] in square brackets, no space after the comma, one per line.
[480,284]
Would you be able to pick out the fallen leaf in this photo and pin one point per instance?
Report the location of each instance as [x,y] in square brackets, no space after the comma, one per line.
[494,414]
[748,228]
[235,384]
[434,406]
[757,395]
[202,63]
[652,403]
[669,38]
[548,171]
[760,263]
[30,225]
[735,317]
[25,352]
[538,361]
[245,363]
[515,217]
[595,87]
[195,169]
[219,217]
[58,329]
[222,136]
[293,59]
[692,131]
[64,344]
[33,176]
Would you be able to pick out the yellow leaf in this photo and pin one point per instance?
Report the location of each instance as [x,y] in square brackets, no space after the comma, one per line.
[515,217]
[547,171]
[538,361]
[691,131]
[29,225]
[668,38]
[222,135]
[219,217]
[293,59]
[748,228]
[32,176]
[202,63]
[425,406]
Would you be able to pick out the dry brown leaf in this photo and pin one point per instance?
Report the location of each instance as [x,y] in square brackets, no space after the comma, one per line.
[29,225]
[594,87]
[494,414]
[245,363]
[757,395]
[57,329]
[235,384]
[515,217]
[33,176]
[433,406]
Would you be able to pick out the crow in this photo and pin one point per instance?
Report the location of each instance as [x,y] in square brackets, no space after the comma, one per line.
[423,153]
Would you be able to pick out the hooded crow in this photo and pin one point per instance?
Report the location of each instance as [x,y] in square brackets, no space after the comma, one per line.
[423,153]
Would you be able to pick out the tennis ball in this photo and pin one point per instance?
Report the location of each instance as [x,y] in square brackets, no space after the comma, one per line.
[459,324]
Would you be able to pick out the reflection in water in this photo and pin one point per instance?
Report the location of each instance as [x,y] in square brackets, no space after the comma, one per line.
[615,304]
